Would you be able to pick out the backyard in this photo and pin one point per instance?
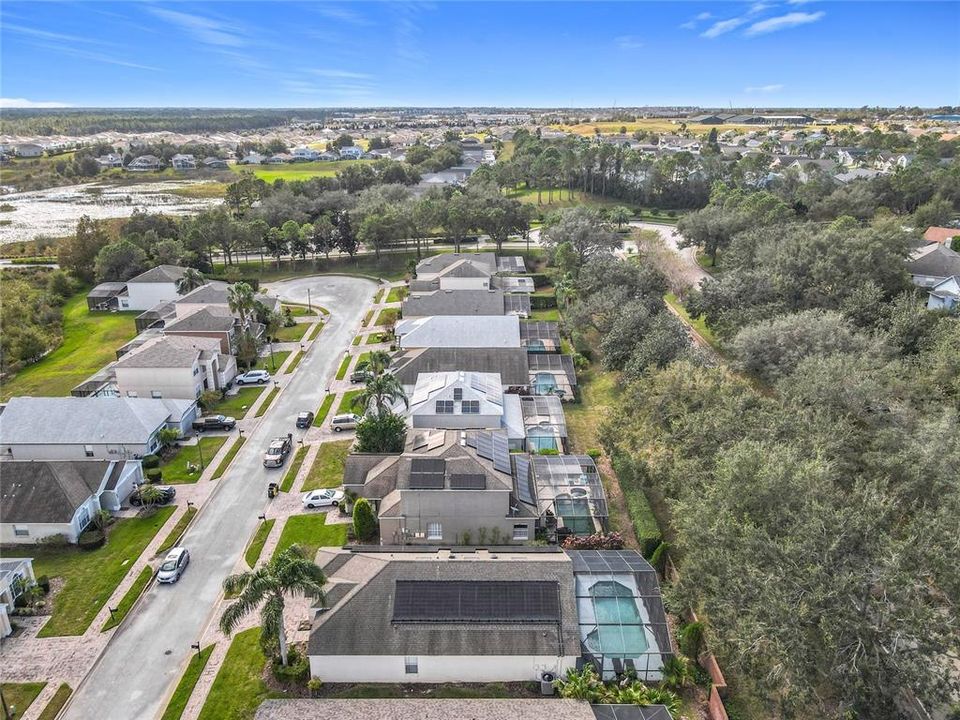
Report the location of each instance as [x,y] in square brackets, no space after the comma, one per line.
[89,342]
[327,468]
[90,576]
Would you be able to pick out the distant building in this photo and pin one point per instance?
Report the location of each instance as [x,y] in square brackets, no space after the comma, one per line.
[144,163]
[945,295]
[942,235]
[29,150]
[183,162]
[215,163]
[305,154]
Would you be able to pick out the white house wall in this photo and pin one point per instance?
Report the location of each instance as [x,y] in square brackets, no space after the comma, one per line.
[437,669]
[38,531]
[65,451]
[471,283]
[180,383]
[143,296]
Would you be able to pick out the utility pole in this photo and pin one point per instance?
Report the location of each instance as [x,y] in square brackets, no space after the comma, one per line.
[309,307]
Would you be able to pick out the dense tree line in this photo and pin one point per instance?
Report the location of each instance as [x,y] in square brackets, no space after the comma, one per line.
[31,302]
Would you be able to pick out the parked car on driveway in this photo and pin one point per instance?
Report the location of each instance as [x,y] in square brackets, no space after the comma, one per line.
[322,498]
[344,422]
[173,565]
[305,420]
[277,452]
[167,494]
[214,422]
[359,376]
[253,377]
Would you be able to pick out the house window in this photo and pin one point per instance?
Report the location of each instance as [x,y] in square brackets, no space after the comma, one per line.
[444,407]
[470,407]
[21,531]
[521,532]
[132,393]
[156,394]
[84,517]
[458,393]
[88,450]
[410,665]
[434,531]
[196,371]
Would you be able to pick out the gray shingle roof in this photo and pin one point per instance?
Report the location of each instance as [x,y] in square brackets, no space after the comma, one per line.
[511,363]
[170,351]
[454,302]
[82,421]
[203,319]
[160,274]
[363,624]
[939,262]
[209,294]
[438,263]
[481,331]
[47,492]
[431,709]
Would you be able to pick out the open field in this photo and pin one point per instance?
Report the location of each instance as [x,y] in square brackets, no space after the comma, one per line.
[295,171]
[529,196]
[91,576]
[89,343]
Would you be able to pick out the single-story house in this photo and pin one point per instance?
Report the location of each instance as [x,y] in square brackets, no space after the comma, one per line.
[174,366]
[215,163]
[29,150]
[440,616]
[465,303]
[483,331]
[305,154]
[40,499]
[16,576]
[183,162]
[455,271]
[156,285]
[145,163]
[352,152]
[932,264]
[251,159]
[511,363]
[945,295]
[856,174]
[98,428]
[110,160]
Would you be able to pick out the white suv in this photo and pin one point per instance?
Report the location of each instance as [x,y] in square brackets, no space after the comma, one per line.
[253,376]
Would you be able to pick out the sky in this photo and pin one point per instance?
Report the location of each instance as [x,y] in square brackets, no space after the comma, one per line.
[532,54]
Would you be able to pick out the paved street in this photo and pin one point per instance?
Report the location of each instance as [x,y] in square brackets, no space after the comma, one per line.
[147,654]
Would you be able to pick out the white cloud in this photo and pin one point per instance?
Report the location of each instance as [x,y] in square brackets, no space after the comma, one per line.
[342,74]
[25,103]
[205,30]
[776,87]
[47,35]
[783,22]
[628,42]
[722,27]
[704,16]
[692,24]
[335,12]
[798,2]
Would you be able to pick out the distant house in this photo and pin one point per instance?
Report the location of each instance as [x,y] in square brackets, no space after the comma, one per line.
[79,428]
[106,296]
[110,160]
[510,363]
[932,264]
[215,163]
[278,159]
[156,285]
[351,152]
[465,303]
[251,159]
[29,150]
[850,157]
[40,499]
[942,235]
[327,157]
[856,174]
[945,295]
[174,366]
[500,331]
[144,163]
[183,162]
[891,162]
[455,271]
[305,154]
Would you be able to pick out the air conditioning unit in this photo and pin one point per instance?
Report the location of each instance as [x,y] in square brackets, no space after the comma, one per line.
[546,683]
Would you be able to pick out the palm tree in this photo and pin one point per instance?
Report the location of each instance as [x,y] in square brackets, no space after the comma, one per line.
[241,300]
[190,280]
[289,573]
[381,392]
[620,215]
[378,361]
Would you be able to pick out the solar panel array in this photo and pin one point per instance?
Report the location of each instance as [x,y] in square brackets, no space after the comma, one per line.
[427,473]
[468,481]
[606,562]
[489,385]
[525,480]
[492,446]
[494,601]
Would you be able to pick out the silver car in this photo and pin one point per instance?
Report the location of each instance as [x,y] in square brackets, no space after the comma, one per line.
[173,565]
[344,422]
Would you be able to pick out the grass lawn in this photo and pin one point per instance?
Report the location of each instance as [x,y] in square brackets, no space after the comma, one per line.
[342,370]
[298,310]
[397,294]
[238,689]
[177,531]
[391,266]
[56,703]
[367,318]
[228,458]
[362,359]
[175,470]
[293,363]
[357,339]
[377,338]
[238,405]
[378,298]
[597,391]
[20,696]
[294,468]
[323,411]
[89,342]
[264,362]
[550,315]
[698,324]
[181,696]
[311,533]
[294,333]
[327,468]
[316,331]
[129,598]
[91,576]
[259,540]
[346,403]
[388,316]
[529,197]
[265,405]
[295,171]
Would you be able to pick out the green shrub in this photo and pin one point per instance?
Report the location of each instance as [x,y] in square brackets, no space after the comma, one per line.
[314,685]
[295,672]
[542,302]
[691,640]
[150,461]
[540,280]
[548,451]
[364,521]
[43,582]
[641,514]
[594,453]
[59,540]
[154,475]
[91,539]
[658,558]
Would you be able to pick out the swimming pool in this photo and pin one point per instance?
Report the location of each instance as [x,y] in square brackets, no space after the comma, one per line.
[619,632]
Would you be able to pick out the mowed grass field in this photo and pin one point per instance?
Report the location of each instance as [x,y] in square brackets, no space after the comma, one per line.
[295,171]
[89,342]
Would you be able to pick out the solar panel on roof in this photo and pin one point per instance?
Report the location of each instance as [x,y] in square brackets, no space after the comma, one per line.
[468,481]
[496,601]
[501,454]
[427,473]
[484,445]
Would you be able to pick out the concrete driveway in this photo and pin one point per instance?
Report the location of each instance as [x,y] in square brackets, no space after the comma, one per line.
[146,656]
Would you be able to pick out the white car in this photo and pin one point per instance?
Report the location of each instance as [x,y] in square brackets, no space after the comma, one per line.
[173,565]
[322,498]
[250,377]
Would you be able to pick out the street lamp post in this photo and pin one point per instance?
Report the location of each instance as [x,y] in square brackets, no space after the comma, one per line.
[200,451]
